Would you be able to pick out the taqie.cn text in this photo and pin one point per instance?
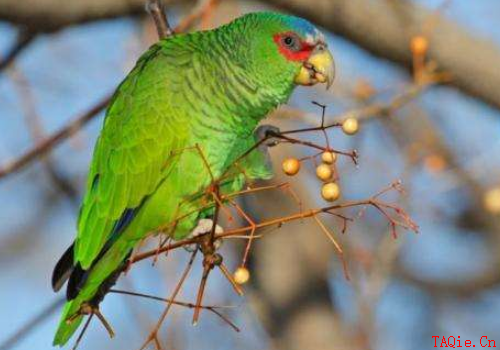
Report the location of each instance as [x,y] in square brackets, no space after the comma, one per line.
[456,342]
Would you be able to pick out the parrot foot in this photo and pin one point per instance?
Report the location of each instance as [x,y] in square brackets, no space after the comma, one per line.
[204,226]
[267,132]
[89,309]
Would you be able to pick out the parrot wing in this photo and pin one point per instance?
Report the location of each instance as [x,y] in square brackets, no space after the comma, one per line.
[134,152]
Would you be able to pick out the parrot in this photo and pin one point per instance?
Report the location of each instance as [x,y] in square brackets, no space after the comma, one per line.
[186,112]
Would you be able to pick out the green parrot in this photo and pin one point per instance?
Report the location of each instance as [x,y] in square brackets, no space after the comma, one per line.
[191,99]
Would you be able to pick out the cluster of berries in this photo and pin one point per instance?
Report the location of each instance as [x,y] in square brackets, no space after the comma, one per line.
[330,190]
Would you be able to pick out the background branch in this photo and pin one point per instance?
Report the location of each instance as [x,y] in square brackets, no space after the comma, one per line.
[156,10]
[472,61]
[24,38]
[387,34]
[50,15]
[47,144]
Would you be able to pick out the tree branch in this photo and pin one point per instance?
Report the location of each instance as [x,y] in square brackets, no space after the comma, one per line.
[157,11]
[51,15]
[50,142]
[24,38]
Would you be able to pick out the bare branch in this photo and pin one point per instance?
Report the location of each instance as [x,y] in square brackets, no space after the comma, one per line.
[157,11]
[51,15]
[35,128]
[47,144]
[23,40]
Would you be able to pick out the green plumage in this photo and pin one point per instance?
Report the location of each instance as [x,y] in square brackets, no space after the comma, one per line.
[206,89]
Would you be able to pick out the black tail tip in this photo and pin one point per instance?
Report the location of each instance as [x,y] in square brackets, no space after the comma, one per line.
[63,269]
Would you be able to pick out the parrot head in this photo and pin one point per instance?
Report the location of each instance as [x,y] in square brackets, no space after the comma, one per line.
[284,49]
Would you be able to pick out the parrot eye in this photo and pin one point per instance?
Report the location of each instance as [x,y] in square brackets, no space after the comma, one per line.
[291,42]
[288,41]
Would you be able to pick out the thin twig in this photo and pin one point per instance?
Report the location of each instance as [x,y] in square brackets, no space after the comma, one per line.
[406,223]
[154,332]
[47,144]
[104,322]
[197,13]
[82,333]
[168,300]
[231,280]
[156,10]
[35,128]
[67,131]
[23,40]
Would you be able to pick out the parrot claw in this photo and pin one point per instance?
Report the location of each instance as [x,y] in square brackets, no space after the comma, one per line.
[204,226]
[267,132]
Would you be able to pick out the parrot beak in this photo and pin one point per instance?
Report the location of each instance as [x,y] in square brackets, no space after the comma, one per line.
[319,68]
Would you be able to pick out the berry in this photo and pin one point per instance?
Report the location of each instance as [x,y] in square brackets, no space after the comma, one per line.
[329,157]
[491,200]
[241,275]
[324,172]
[291,166]
[350,126]
[330,191]
[419,45]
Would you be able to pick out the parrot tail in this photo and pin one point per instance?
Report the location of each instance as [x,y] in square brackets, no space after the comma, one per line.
[63,269]
[62,272]
[83,298]
[66,329]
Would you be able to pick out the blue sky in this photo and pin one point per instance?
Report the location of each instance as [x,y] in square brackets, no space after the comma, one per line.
[70,70]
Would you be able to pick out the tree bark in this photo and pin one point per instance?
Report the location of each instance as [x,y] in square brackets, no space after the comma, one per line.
[50,15]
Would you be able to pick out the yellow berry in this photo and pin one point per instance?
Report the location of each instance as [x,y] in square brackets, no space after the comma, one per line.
[419,45]
[350,126]
[324,172]
[364,90]
[241,275]
[491,200]
[329,157]
[435,163]
[330,191]
[291,166]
